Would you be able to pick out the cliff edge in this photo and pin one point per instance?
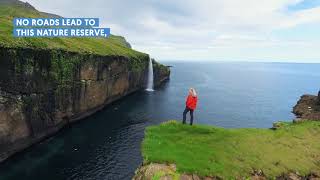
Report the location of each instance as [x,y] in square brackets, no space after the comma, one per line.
[211,153]
[307,108]
[48,83]
[173,150]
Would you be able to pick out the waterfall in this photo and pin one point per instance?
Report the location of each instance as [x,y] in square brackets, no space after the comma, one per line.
[150,77]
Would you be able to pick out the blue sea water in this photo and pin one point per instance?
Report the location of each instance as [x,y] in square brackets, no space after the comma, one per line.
[107,144]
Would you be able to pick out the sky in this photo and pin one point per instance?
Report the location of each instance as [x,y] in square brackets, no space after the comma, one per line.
[213,30]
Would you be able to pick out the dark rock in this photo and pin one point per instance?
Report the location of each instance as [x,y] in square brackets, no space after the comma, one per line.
[276,125]
[314,176]
[42,91]
[290,176]
[307,108]
[297,176]
[318,99]
[258,175]
[161,73]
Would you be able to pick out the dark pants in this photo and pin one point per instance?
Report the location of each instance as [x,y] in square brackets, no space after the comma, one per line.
[185,114]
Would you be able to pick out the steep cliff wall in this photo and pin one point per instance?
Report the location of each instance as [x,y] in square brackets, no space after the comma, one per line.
[307,108]
[43,90]
[160,72]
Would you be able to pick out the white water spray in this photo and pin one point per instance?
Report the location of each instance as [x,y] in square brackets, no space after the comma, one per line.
[150,77]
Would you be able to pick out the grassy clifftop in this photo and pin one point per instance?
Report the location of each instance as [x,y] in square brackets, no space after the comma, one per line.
[114,45]
[234,153]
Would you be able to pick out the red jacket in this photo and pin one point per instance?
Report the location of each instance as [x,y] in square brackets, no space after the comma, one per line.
[191,102]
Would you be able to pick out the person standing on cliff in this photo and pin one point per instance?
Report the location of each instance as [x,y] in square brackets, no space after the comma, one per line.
[191,104]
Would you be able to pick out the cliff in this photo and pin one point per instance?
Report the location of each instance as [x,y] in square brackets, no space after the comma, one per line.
[211,153]
[172,150]
[307,108]
[48,83]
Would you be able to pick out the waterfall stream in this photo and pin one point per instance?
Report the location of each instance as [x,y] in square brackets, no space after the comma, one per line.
[150,77]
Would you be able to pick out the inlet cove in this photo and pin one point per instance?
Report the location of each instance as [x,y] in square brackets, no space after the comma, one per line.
[234,95]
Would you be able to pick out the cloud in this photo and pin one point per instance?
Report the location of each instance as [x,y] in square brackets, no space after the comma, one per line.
[302,17]
[182,29]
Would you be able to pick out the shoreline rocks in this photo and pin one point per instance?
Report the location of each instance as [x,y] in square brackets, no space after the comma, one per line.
[169,172]
[307,108]
[319,98]
[164,172]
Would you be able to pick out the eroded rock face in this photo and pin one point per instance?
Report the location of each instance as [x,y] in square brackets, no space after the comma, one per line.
[318,98]
[41,91]
[307,108]
[154,169]
[169,172]
[164,172]
[161,72]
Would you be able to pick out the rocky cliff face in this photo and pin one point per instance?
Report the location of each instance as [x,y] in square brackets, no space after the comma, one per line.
[160,72]
[169,172]
[41,91]
[318,99]
[307,108]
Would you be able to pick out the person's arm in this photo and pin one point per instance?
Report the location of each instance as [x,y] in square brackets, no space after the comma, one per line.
[188,101]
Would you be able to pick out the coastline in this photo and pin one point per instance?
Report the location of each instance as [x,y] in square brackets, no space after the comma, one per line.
[170,165]
[47,84]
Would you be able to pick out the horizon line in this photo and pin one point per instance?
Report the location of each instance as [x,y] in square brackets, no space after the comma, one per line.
[235,61]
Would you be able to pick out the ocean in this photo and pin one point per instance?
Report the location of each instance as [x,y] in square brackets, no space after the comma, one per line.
[107,145]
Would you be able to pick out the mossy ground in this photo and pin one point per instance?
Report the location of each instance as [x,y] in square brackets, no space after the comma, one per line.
[114,45]
[230,153]
[63,66]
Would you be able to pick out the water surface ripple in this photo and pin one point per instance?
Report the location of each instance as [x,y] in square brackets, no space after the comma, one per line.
[107,144]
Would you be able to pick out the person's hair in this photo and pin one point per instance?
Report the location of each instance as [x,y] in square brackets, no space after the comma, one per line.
[193,92]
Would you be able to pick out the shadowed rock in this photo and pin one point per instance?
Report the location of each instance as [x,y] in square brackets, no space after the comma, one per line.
[42,91]
[307,108]
[319,98]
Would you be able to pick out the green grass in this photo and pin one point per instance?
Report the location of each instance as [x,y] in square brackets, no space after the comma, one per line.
[229,153]
[114,45]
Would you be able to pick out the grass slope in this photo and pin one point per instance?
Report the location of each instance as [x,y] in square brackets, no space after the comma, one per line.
[229,153]
[114,45]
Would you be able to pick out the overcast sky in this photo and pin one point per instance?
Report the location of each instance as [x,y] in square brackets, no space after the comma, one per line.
[218,30]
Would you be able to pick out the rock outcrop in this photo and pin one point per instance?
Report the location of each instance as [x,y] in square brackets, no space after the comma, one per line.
[307,108]
[165,172]
[318,99]
[42,91]
[169,172]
